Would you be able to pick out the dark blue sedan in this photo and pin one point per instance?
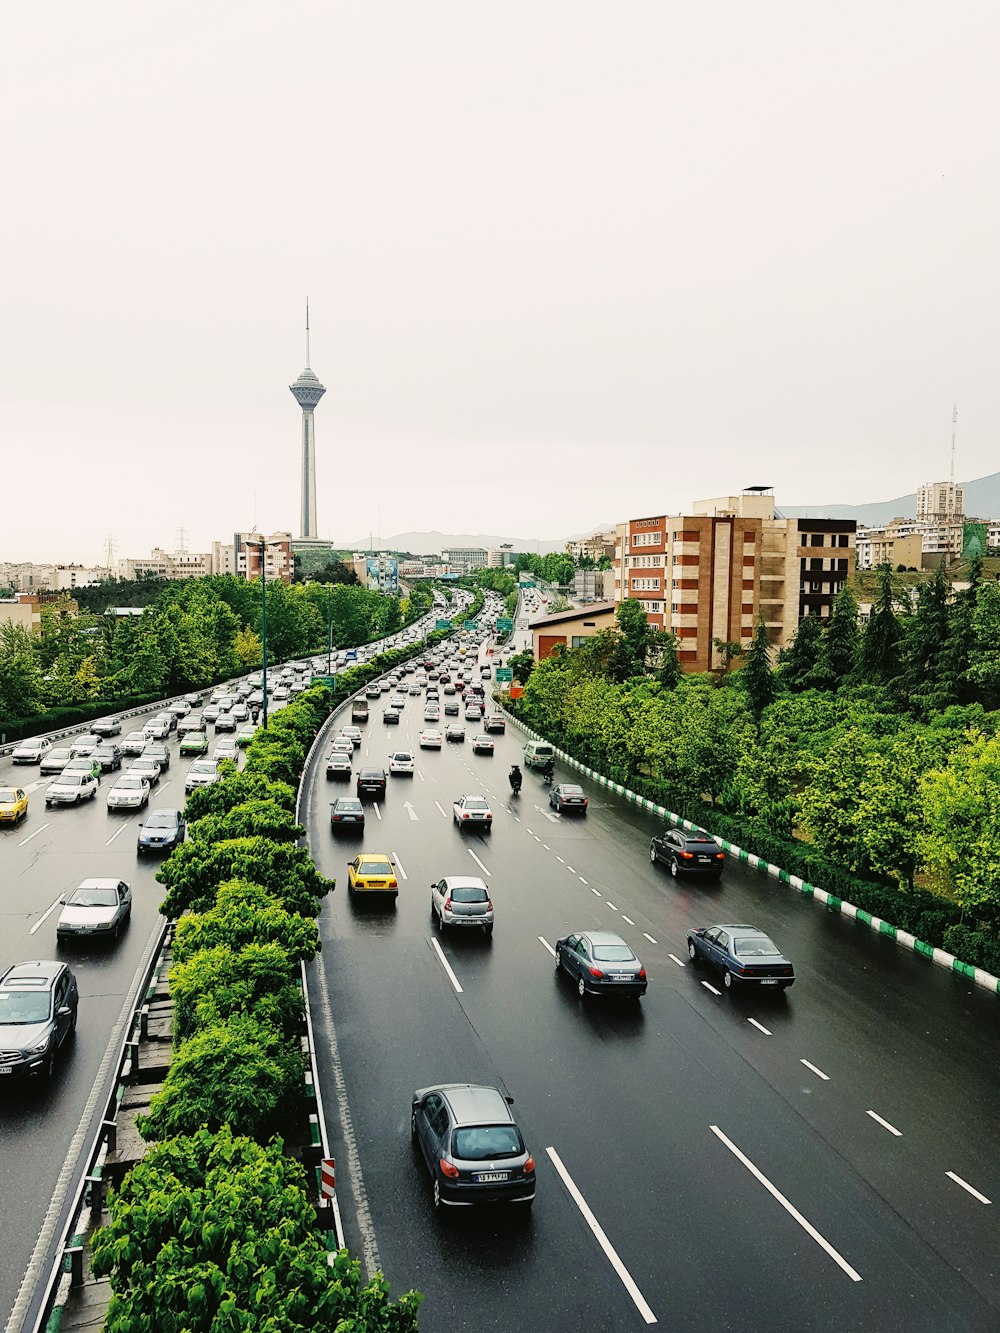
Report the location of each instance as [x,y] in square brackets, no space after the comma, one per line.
[743,954]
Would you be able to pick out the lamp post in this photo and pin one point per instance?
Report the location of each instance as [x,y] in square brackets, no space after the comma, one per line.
[262,546]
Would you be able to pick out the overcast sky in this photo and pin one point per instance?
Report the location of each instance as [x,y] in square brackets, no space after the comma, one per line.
[568,260]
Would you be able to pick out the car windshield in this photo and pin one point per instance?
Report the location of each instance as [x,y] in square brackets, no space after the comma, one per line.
[93,898]
[57,755]
[758,946]
[374,868]
[613,953]
[7,794]
[162,820]
[486,1142]
[202,768]
[471,804]
[469,895]
[72,779]
[19,1007]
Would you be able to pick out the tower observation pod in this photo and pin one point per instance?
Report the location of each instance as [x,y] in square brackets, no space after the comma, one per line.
[307,391]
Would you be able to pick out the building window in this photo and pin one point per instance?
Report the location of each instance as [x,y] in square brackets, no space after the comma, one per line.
[816,539]
[577,641]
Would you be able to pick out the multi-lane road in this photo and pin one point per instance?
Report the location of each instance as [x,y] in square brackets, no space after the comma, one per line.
[823,1159]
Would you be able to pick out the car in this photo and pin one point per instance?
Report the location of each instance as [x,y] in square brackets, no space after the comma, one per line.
[687,850]
[161,831]
[352,734]
[180,708]
[32,751]
[454,732]
[568,798]
[13,805]
[145,768]
[194,742]
[210,713]
[449,688]
[188,724]
[401,762]
[280,692]
[472,812]
[342,745]
[202,773]
[55,760]
[414,688]
[226,722]
[338,767]
[432,713]
[473,713]
[240,711]
[451,708]
[84,764]
[462,901]
[431,739]
[371,782]
[482,744]
[38,1010]
[225,748]
[743,954]
[347,815]
[398,701]
[372,691]
[471,1146]
[108,756]
[130,792]
[193,699]
[495,722]
[157,729]
[159,753]
[71,789]
[601,964]
[84,745]
[246,734]
[373,875]
[95,907]
[106,726]
[135,742]
[390,716]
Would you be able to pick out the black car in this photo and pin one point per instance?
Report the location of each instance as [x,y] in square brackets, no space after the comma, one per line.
[108,756]
[371,782]
[471,1145]
[687,851]
[568,799]
[161,831]
[743,954]
[601,964]
[38,1008]
[390,716]
[347,815]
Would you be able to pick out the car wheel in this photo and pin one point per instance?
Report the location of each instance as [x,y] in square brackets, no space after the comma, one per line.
[673,866]
[437,1193]
[581,989]
[652,855]
[727,980]
[433,913]
[558,963]
[488,932]
[413,1126]
[48,805]
[49,1072]
[692,951]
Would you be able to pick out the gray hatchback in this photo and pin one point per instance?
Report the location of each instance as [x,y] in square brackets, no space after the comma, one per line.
[471,1145]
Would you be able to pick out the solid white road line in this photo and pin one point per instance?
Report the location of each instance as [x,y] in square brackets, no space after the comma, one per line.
[45,917]
[439,806]
[446,965]
[966,1186]
[378,812]
[677,960]
[648,937]
[399,866]
[478,862]
[790,1208]
[41,829]
[818,1072]
[628,919]
[885,1124]
[610,1252]
[708,986]
[117,832]
[546,945]
[759,1026]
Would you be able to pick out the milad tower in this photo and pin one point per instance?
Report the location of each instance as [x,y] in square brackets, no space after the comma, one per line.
[307,391]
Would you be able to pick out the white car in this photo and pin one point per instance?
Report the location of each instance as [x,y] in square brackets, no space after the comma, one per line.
[135,742]
[432,713]
[84,745]
[473,812]
[226,748]
[95,907]
[145,768]
[157,729]
[401,762]
[31,752]
[130,792]
[201,773]
[431,739]
[342,745]
[353,734]
[71,789]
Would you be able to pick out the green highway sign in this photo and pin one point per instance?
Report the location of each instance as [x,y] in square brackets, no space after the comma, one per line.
[323,680]
[504,674]
[504,626]
[470,624]
[443,624]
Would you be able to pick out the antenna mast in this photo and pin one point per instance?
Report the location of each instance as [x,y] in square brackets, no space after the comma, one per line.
[954,423]
[308,362]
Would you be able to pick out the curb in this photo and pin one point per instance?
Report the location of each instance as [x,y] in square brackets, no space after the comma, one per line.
[902,937]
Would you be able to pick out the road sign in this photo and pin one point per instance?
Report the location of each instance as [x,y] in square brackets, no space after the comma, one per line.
[527,583]
[323,680]
[442,624]
[328,1178]
[470,624]
[504,674]
[504,626]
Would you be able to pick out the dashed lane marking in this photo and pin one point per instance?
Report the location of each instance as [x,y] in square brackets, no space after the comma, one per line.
[966,1186]
[897,1133]
[648,937]
[447,966]
[759,1026]
[677,960]
[708,986]
[41,829]
[818,1072]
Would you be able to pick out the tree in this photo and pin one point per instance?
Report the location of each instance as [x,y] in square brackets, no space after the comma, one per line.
[960,840]
[878,657]
[216,985]
[245,913]
[728,650]
[924,638]
[636,641]
[193,872]
[984,655]
[961,641]
[20,678]
[235,789]
[800,659]
[757,677]
[522,665]
[839,647]
[250,819]
[668,671]
[248,648]
[831,802]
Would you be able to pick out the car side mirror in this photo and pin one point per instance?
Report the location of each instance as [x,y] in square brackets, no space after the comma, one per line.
[63,902]
[509,1101]
[64,1011]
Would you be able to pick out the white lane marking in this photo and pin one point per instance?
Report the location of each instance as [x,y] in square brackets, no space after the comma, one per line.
[528,830]
[611,904]
[759,1026]
[708,986]
[399,866]
[517,819]
[595,891]
[571,870]
[41,829]
[446,965]
[583,881]
[43,918]
[439,806]
[546,945]
[560,860]
[378,812]
[818,1072]
[478,862]
[609,1250]
[790,1208]
[408,807]
[628,919]
[966,1186]
[536,837]
[117,833]
[885,1124]
[546,846]
[421,776]
[648,937]
[33,786]
[677,960]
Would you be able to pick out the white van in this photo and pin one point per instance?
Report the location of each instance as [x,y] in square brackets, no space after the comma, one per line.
[537,753]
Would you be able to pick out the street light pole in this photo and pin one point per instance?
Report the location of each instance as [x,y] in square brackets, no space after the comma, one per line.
[262,546]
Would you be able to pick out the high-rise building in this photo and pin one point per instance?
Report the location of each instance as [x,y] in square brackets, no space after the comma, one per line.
[307,391]
[940,502]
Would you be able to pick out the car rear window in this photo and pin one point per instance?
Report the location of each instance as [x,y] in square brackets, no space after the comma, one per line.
[469,896]
[613,953]
[476,805]
[374,868]
[760,947]
[486,1142]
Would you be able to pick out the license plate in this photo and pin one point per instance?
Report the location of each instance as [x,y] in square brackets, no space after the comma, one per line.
[488,1176]
[6,1069]
[769,981]
[706,859]
[620,976]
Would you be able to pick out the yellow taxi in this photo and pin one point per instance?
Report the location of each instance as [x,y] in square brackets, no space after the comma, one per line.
[13,805]
[372,874]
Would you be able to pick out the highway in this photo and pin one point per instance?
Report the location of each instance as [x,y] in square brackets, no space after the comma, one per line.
[822,1159]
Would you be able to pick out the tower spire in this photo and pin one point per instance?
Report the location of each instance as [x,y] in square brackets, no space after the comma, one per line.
[308,362]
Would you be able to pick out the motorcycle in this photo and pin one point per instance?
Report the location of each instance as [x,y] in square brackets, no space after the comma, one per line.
[546,779]
[515,783]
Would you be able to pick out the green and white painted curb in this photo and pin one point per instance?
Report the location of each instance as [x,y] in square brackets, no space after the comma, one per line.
[829,900]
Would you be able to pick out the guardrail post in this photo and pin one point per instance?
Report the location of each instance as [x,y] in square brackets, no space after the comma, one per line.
[96,1184]
[110,1128]
[144,1022]
[74,1253]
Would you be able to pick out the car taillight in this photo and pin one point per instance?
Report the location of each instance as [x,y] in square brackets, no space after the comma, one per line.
[529,1166]
[335,819]
[448,1169]
[687,855]
[642,974]
[489,818]
[465,814]
[720,856]
[447,903]
[489,905]
[391,882]
[596,972]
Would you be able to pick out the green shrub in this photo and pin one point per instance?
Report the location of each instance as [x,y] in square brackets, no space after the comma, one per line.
[245,913]
[251,819]
[193,872]
[216,985]
[235,789]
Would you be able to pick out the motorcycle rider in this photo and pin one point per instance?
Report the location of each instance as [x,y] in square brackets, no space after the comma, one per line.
[548,772]
[515,777]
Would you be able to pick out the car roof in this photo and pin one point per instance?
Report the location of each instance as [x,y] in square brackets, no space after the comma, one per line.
[375,856]
[604,937]
[730,925]
[464,882]
[475,1104]
[36,974]
[98,884]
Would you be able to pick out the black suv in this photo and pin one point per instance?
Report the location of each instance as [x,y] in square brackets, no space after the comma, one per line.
[687,851]
[38,1008]
[371,782]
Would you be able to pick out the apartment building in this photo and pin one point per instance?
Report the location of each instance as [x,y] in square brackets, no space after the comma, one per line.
[940,501]
[597,548]
[163,564]
[277,557]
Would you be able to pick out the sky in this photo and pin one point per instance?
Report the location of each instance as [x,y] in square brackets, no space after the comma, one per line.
[568,261]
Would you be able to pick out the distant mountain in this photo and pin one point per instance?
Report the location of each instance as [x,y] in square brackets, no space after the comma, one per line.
[432,543]
[982,500]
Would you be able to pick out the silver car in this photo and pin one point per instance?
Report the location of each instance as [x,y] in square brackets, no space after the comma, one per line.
[462,900]
[201,773]
[55,760]
[96,907]
[130,792]
[84,745]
